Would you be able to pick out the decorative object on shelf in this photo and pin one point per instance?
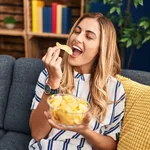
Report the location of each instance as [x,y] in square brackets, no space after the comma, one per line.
[131,33]
[10,22]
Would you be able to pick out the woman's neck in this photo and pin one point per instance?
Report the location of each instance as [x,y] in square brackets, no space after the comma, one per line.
[81,70]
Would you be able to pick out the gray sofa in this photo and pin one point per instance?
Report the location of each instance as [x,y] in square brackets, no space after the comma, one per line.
[17,82]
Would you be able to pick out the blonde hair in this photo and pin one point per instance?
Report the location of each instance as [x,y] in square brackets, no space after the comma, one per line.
[107,64]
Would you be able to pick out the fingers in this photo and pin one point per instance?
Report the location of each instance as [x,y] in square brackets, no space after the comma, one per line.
[50,120]
[47,114]
[52,50]
[87,118]
[54,125]
[78,128]
[51,55]
[58,62]
[54,58]
[52,63]
[48,54]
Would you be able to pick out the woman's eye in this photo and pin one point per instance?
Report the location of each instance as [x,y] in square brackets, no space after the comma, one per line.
[77,32]
[88,37]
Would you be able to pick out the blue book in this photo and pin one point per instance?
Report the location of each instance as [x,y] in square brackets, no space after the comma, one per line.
[47,19]
[66,20]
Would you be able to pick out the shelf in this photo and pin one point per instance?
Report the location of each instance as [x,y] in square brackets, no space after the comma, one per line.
[34,44]
[62,36]
[12,32]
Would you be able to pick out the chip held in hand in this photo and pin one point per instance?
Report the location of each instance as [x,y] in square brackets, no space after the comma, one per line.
[65,48]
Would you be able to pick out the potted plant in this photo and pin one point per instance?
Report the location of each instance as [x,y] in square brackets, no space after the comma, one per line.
[131,34]
[10,22]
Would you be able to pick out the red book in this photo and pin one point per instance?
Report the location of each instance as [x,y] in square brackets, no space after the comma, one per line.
[54,15]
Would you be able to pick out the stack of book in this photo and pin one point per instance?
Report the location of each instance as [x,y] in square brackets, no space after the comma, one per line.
[56,18]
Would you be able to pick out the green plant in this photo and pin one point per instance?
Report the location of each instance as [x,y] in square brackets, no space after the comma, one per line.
[131,34]
[10,20]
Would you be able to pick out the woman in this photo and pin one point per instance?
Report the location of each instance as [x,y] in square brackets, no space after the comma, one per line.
[88,73]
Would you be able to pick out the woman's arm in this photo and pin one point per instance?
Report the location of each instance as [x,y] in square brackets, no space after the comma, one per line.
[38,123]
[98,141]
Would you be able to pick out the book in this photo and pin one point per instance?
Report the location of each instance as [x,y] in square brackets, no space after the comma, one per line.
[34,16]
[47,19]
[40,20]
[59,18]
[66,20]
[40,6]
[54,16]
[40,3]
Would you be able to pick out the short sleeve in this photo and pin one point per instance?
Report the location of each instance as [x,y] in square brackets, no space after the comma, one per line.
[39,89]
[118,108]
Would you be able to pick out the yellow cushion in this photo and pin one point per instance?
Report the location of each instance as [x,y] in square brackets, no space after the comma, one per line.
[135,134]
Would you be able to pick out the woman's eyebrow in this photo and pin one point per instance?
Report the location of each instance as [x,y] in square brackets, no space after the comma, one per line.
[78,27]
[89,31]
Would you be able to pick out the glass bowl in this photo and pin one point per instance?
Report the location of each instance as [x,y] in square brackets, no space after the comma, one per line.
[67,110]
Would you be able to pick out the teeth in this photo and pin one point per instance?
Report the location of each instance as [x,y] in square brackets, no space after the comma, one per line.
[76,47]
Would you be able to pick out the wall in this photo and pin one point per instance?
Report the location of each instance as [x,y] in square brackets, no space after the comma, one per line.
[141,57]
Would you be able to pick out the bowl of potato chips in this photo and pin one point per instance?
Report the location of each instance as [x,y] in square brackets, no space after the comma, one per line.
[67,110]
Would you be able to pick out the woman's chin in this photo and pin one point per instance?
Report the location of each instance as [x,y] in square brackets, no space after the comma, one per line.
[72,63]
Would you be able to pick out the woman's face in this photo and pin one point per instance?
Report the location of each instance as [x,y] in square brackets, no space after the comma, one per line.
[85,45]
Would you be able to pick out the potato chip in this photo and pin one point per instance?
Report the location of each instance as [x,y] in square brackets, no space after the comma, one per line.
[67,109]
[65,48]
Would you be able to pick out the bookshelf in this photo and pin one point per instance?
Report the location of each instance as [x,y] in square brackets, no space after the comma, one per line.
[33,44]
[13,41]
[12,32]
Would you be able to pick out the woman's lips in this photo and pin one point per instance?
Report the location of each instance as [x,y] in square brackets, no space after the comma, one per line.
[77,48]
[76,51]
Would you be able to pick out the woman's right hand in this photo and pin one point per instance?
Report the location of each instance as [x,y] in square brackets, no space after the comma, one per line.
[52,63]
[82,128]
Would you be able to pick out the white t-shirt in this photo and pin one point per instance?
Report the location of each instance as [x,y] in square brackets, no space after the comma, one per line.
[68,140]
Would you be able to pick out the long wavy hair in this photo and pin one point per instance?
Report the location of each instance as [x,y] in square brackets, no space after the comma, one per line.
[107,64]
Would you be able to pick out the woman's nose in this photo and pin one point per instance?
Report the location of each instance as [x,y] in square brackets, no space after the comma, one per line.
[79,38]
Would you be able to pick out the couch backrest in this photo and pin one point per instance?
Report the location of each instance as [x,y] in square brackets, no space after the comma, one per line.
[136,75]
[6,67]
[25,75]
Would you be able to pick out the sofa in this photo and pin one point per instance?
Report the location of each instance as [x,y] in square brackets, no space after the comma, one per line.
[18,79]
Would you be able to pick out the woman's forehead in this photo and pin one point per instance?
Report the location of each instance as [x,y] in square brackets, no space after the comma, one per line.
[90,24]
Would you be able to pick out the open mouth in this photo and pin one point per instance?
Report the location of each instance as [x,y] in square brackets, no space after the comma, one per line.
[76,51]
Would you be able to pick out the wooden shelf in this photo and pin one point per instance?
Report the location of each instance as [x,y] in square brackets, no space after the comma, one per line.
[12,32]
[34,44]
[52,35]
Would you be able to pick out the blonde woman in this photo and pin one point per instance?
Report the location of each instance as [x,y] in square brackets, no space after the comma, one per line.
[88,73]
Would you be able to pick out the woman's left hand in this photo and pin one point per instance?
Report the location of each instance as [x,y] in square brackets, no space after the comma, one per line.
[79,128]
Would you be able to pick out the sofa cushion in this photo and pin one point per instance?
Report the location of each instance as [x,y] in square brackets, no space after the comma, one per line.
[14,141]
[25,75]
[136,124]
[2,132]
[6,67]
